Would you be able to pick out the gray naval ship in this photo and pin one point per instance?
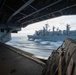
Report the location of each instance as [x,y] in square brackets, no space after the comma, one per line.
[55,35]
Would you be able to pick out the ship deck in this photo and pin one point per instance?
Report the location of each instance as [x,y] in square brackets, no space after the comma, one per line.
[14,63]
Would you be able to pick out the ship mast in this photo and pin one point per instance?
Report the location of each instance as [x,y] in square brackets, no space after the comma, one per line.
[68,29]
[46,26]
[53,30]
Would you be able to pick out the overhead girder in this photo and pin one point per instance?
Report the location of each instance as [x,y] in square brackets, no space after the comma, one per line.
[39,10]
[58,11]
[47,16]
[2,4]
[15,10]
[21,8]
[26,12]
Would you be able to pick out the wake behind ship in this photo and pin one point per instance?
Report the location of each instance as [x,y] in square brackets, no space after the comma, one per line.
[46,35]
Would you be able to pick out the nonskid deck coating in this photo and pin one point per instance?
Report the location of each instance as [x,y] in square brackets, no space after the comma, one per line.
[12,63]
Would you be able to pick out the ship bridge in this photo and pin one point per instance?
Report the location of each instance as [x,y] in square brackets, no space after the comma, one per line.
[15,14]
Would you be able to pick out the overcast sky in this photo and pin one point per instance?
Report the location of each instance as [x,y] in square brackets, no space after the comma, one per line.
[57,22]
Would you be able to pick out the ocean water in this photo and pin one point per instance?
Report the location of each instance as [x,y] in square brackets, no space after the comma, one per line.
[40,49]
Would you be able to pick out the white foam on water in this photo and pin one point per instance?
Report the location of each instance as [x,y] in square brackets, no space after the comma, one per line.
[37,40]
[30,39]
[45,42]
[41,49]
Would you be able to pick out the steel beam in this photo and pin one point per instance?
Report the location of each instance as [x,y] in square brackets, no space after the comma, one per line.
[40,10]
[20,9]
[33,7]
[52,13]
[2,5]
[61,12]
[15,10]
[30,5]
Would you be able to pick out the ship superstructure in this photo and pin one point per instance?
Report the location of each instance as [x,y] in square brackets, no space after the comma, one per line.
[55,35]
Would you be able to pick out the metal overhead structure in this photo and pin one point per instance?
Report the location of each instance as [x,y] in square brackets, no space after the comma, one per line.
[21,8]
[20,13]
[39,10]
[60,11]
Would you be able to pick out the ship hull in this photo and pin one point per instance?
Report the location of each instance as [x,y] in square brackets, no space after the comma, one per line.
[51,38]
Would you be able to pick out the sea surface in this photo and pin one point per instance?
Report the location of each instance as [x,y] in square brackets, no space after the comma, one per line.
[40,49]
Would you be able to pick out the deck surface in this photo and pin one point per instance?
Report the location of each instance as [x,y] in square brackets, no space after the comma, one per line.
[12,63]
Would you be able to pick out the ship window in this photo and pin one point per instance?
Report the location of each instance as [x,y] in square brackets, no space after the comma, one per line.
[2,30]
